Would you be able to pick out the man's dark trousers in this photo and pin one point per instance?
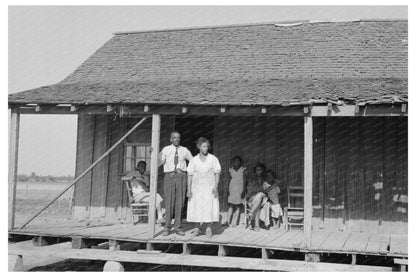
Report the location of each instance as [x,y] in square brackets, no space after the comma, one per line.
[174,190]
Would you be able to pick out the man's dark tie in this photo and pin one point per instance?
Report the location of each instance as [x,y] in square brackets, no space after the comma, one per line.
[176,158]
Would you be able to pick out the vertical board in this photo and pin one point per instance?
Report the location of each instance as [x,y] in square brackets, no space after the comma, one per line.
[13,164]
[318,172]
[85,148]
[154,172]
[113,180]
[99,172]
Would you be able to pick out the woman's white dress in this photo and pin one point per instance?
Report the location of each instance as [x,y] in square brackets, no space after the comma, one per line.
[203,206]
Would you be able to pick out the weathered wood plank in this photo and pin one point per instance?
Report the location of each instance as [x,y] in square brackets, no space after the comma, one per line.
[13,162]
[308,178]
[378,243]
[154,172]
[84,159]
[285,240]
[398,244]
[357,242]
[192,260]
[99,173]
[290,240]
[335,241]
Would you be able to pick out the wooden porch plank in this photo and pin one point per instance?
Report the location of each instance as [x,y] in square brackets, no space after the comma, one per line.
[192,260]
[97,231]
[318,237]
[357,242]
[335,241]
[378,243]
[250,237]
[398,244]
[285,240]
[123,229]
[266,237]
[172,237]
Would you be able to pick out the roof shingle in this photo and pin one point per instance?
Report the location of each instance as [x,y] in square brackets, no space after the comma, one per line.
[250,64]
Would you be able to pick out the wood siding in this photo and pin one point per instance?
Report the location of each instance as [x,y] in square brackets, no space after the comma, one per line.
[359,164]
[360,174]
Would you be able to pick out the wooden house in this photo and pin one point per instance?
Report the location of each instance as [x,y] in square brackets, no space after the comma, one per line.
[323,104]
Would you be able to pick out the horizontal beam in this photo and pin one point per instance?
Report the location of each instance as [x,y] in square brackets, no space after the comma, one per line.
[189,260]
[314,111]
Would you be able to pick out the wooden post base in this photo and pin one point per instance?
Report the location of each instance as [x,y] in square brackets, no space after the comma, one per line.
[266,253]
[79,243]
[222,250]
[40,241]
[113,266]
[312,257]
[15,263]
[114,245]
[186,249]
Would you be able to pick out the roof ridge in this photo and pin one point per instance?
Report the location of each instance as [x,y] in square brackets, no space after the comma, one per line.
[285,23]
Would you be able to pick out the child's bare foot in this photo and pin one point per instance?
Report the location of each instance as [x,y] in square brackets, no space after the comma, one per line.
[233,225]
[208,232]
[257,228]
[196,232]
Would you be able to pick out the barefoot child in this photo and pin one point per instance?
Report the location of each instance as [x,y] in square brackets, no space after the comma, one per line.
[272,190]
[237,188]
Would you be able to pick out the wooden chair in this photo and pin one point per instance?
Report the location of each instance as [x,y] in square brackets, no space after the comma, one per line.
[139,211]
[293,213]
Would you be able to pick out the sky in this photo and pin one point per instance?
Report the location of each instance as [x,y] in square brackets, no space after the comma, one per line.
[47,43]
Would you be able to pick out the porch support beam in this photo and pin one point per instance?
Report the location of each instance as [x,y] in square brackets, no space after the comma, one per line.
[154,172]
[308,171]
[13,161]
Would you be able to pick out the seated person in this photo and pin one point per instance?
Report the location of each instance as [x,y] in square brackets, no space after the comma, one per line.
[256,198]
[272,190]
[140,188]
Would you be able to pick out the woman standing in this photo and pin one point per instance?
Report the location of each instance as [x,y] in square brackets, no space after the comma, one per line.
[203,177]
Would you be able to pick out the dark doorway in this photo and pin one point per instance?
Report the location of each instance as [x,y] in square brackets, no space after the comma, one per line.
[193,127]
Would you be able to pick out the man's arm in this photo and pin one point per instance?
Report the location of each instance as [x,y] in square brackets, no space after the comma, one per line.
[161,158]
[188,155]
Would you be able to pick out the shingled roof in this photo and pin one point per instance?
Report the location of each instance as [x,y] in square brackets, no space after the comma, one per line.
[257,64]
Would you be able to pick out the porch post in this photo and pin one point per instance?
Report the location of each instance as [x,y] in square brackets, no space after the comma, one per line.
[13,155]
[154,171]
[308,171]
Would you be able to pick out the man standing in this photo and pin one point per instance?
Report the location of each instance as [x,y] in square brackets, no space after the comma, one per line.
[173,157]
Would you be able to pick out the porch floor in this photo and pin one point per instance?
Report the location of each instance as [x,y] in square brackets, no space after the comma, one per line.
[293,240]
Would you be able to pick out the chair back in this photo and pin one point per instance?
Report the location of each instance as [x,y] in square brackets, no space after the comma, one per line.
[127,183]
[295,195]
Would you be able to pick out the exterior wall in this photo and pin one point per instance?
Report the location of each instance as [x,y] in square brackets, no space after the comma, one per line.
[360,174]
[352,158]
[100,194]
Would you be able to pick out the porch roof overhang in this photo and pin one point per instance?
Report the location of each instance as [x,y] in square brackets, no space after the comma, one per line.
[293,97]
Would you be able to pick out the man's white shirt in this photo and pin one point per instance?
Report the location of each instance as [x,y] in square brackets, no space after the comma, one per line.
[167,158]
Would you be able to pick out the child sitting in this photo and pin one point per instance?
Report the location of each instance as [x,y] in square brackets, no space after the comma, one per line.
[140,188]
[272,190]
[237,188]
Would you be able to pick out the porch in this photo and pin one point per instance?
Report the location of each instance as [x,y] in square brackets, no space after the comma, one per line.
[265,241]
